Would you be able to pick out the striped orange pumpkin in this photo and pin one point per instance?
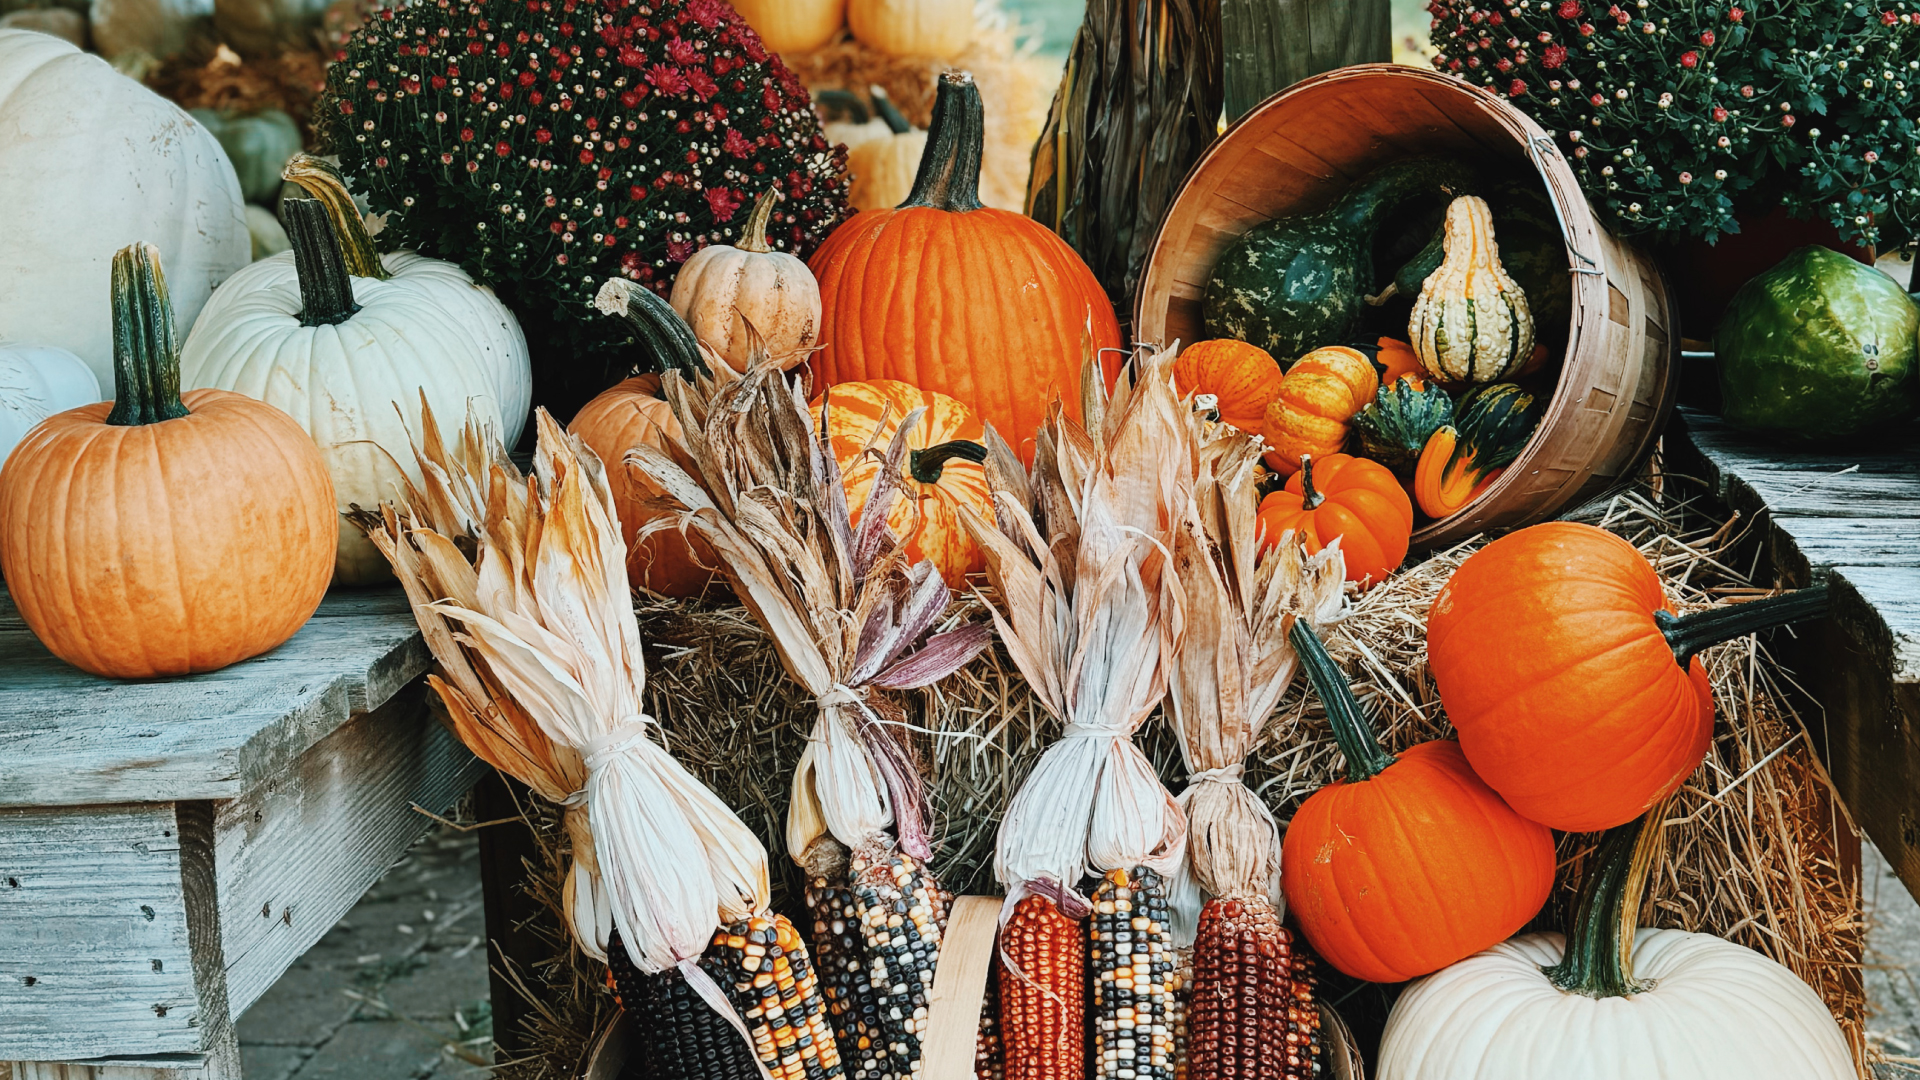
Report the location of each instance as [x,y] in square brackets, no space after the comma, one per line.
[942,471]
[1243,378]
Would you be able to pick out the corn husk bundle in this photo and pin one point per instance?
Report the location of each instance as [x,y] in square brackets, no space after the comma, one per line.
[1249,1003]
[758,481]
[1090,610]
[518,584]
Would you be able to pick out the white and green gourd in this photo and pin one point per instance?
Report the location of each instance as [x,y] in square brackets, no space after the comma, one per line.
[1471,322]
[351,358]
[37,381]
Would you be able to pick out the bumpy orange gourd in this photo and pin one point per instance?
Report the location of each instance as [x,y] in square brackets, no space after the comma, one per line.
[1242,378]
[1411,863]
[983,305]
[1317,400]
[628,415]
[942,473]
[159,533]
[1574,688]
[1356,501]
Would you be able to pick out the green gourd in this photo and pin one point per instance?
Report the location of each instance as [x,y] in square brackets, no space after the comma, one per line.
[258,144]
[1396,424]
[1495,421]
[1296,283]
[1531,250]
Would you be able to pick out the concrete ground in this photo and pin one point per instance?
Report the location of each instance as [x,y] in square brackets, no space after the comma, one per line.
[1892,966]
[396,991]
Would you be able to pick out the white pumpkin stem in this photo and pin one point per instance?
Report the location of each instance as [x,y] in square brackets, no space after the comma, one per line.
[755,238]
[326,289]
[1598,962]
[146,354]
[321,180]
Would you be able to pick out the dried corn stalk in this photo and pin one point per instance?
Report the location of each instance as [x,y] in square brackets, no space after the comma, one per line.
[757,479]
[519,585]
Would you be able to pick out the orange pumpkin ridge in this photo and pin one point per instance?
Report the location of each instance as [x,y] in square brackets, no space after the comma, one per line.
[625,416]
[986,306]
[1556,654]
[942,473]
[1353,500]
[1410,863]
[1318,398]
[1242,378]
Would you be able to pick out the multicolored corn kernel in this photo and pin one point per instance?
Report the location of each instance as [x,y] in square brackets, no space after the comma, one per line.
[1252,1011]
[989,1056]
[840,954]
[1043,979]
[1129,973]
[676,1035]
[898,904]
[764,968]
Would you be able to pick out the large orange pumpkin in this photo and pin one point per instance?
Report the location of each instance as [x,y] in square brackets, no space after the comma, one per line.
[1574,687]
[1411,863]
[1356,501]
[159,533]
[942,473]
[983,305]
[1242,378]
[1317,400]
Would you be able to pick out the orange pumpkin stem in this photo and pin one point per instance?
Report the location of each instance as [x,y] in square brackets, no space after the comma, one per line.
[146,355]
[926,465]
[755,237]
[1366,758]
[1309,498]
[1598,962]
[949,176]
[326,292]
[1688,635]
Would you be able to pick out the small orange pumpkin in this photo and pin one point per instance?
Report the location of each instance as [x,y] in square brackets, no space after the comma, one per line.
[1411,862]
[1356,501]
[942,473]
[628,415]
[163,533]
[1443,486]
[1318,398]
[1243,378]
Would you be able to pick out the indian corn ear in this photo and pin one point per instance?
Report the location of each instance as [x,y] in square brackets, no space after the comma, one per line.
[989,1057]
[1179,994]
[840,953]
[1130,969]
[1252,1012]
[676,1034]
[763,966]
[1043,1012]
[900,911]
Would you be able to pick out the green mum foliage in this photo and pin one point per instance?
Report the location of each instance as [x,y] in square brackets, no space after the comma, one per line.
[547,145]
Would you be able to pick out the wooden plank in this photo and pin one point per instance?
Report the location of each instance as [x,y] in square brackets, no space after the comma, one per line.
[68,738]
[296,852]
[1272,44]
[95,951]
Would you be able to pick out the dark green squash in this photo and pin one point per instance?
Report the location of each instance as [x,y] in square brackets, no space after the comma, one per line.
[1531,252]
[1396,424]
[1495,421]
[1293,284]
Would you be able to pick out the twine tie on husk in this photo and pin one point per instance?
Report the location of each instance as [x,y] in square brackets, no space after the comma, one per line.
[1225,774]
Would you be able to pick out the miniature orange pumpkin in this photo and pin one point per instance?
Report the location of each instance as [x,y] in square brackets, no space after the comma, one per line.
[1243,378]
[942,473]
[628,415]
[1356,501]
[1318,398]
[163,533]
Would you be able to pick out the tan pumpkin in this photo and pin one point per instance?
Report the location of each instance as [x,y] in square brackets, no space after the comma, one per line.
[159,533]
[1242,378]
[1319,397]
[628,415]
[722,289]
[932,28]
[1471,322]
[793,26]
[882,170]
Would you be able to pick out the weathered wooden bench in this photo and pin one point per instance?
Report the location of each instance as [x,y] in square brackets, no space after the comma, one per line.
[1853,521]
[169,848]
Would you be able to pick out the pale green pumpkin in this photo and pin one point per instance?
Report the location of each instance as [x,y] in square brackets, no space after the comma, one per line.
[259,146]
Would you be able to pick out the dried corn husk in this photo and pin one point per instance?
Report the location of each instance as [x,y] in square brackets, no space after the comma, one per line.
[754,477]
[519,586]
[1235,663]
[1090,609]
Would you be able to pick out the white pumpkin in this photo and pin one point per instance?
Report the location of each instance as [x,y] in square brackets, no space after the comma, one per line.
[91,161]
[37,381]
[349,358]
[499,342]
[722,289]
[1676,1006]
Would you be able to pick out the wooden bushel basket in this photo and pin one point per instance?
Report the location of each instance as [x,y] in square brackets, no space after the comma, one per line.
[953,1014]
[1300,149]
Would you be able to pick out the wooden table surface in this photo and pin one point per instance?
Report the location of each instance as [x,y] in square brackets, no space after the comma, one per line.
[169,847]
[1851,519]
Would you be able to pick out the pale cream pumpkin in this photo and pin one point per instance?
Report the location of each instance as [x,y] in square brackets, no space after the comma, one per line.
[795,26]
[883,169]
[1471,322]
[935,28]
[722,289]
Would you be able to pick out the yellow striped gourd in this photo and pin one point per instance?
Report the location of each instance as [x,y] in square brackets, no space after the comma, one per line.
[1471,322]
